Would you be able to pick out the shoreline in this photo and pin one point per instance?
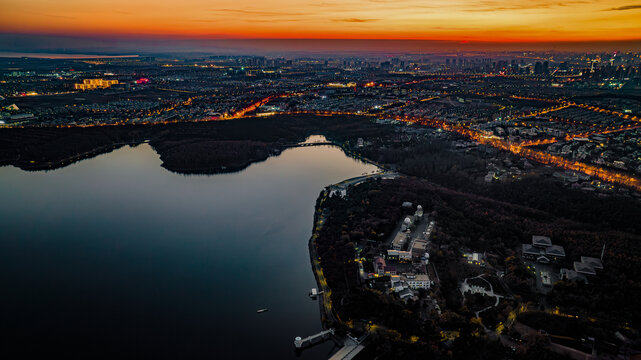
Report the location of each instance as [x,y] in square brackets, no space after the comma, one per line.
[317,268]
[329,318]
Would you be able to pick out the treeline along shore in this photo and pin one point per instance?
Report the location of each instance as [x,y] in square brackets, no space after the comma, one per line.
[188,148]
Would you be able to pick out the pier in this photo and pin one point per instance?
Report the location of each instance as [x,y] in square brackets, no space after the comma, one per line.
[312,339]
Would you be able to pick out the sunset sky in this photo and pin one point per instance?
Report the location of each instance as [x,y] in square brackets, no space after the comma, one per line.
[458,20]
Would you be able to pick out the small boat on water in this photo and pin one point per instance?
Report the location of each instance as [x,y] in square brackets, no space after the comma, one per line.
[261,311]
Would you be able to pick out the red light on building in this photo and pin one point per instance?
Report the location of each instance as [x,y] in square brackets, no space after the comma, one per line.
[142,81]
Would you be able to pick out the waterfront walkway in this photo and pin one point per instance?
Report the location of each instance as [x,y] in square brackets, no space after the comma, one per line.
[350,349]
[312,339]
[347,352]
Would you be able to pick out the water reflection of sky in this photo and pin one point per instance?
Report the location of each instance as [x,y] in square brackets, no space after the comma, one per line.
[124,255]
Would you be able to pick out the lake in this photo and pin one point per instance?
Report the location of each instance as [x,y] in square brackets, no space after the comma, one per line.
[115,256]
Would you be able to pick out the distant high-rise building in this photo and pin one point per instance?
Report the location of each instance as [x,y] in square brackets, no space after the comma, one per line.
[538,68]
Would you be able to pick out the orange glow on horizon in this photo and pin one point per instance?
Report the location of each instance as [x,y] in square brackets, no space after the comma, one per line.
[451,20]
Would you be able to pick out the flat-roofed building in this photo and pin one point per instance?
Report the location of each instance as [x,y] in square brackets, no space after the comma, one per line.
[419,281]
[399,255]
[389,270]
[399,240]
[419,247]
[475,258]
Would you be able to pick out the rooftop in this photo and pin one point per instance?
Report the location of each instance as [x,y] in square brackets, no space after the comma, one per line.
[555,250]
[584,268]
[405,293]
[544,241]
[422,277]
[593,262]
[572,275]
[529,249]
[399,240]
[419,244]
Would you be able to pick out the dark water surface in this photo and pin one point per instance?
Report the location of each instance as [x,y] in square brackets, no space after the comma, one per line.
[119,257]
